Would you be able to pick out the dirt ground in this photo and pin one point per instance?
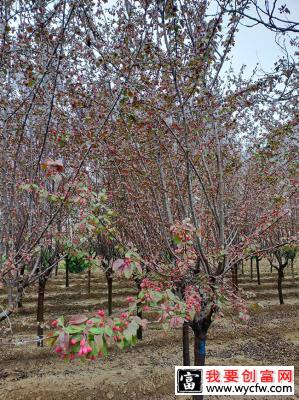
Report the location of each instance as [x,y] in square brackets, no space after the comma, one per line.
[147,370]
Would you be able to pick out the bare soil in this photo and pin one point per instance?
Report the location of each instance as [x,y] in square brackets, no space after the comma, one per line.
[147,370]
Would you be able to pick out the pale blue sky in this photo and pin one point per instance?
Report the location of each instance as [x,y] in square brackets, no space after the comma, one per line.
[257,44]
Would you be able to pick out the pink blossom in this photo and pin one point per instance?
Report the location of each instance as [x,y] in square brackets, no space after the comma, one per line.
[58,349]
[176,322]
[101,313]
[80,353]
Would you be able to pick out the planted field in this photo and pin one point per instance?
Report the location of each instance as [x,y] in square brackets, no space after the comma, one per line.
[146,371]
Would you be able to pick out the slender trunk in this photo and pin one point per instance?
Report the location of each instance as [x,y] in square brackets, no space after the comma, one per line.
[279,285]
[235,277]
[199,349]
[242,267]
[258,271]
[186,351]
[271,268]
[139,331]
[20,302]
[67,283]
[88,280]
[199,354]
[139,310]
[20,290]
[56,270]
[40,310]
[109,282]
[251,268]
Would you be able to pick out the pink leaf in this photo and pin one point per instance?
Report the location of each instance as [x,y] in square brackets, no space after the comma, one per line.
[117,264]
[78,319]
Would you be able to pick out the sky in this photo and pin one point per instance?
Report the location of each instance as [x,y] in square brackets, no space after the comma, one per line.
[257,44]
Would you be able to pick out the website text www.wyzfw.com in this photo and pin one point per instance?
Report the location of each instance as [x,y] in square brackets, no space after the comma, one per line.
[252,389]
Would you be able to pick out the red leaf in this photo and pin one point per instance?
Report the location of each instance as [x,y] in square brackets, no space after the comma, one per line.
[78,319]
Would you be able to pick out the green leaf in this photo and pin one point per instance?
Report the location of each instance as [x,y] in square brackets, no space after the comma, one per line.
[60,321]
[108,330]
[97,331]
[157,296]
[176,239]
[74,329]
[95,348]
[104,348]
[134,340]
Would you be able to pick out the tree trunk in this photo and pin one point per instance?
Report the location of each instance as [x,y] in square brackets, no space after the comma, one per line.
[88,280]
[199,349]
[279,285]
[186,351]
[235,277]
[139,310]
[242,267]
[139,331]
[258,271]
[20,290]
[67,283]
[251,268]
[40,310]
[199,354]
[56,270]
